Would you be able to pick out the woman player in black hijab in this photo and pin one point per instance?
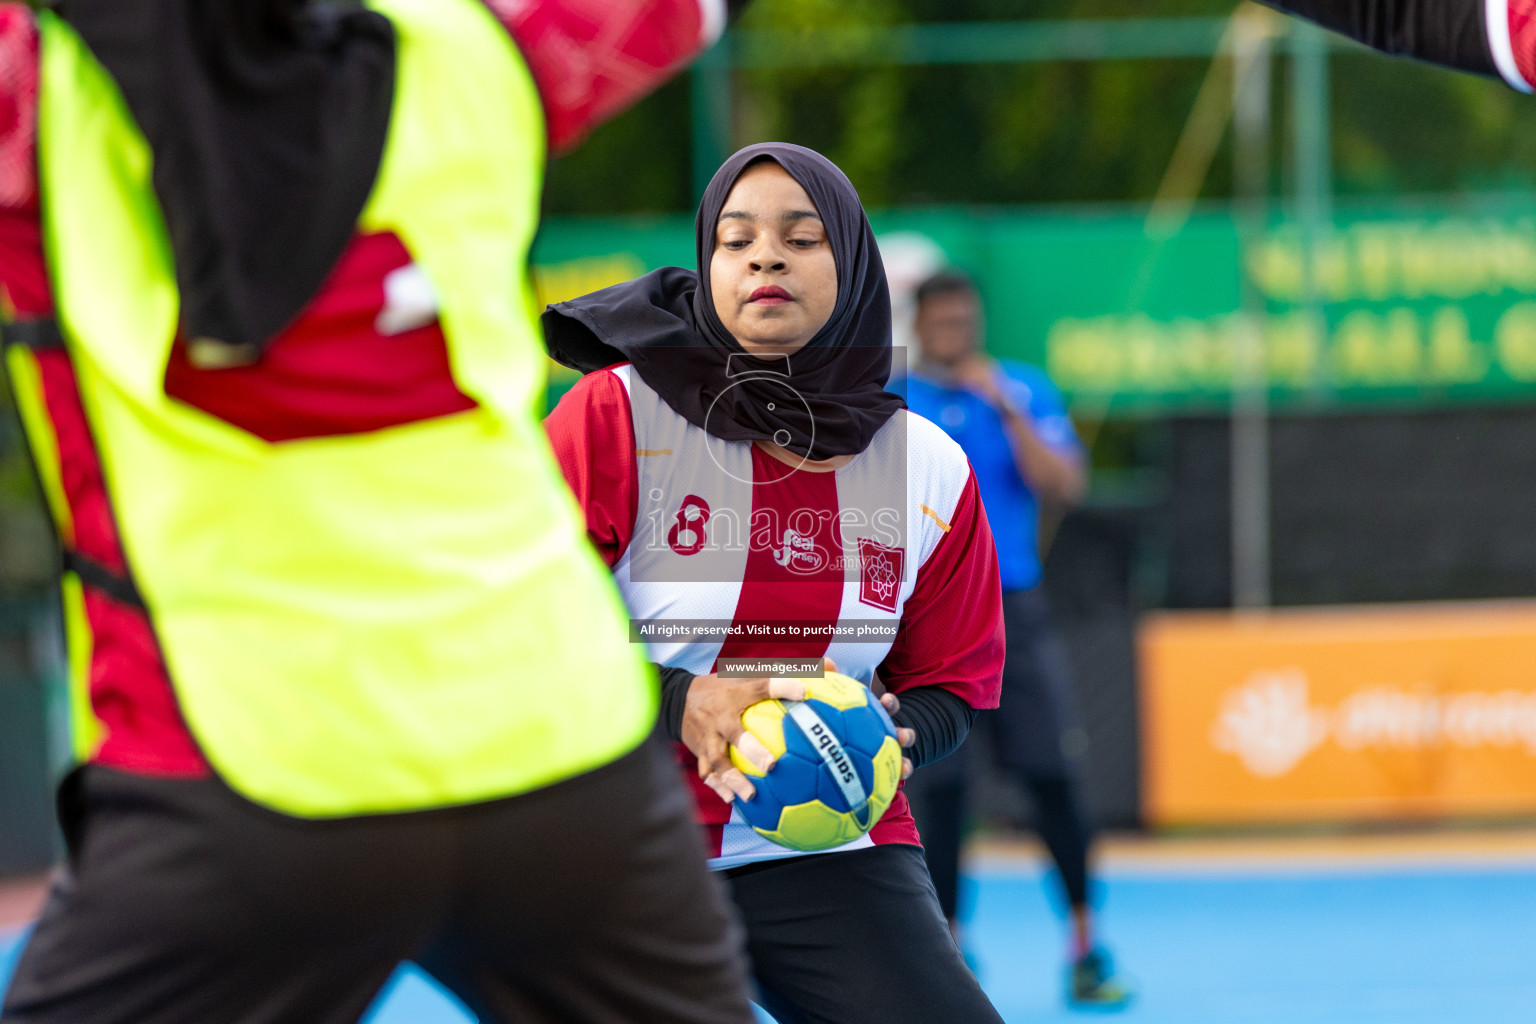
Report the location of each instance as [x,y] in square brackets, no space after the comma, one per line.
[738,459]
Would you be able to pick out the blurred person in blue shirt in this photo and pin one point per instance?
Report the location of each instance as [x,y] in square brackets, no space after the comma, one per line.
[1013,425]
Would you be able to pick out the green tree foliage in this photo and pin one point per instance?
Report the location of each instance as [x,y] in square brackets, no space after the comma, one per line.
[1065,131]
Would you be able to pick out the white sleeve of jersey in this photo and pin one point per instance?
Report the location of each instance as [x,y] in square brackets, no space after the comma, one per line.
[1496,18]
[712,18]
[937,471]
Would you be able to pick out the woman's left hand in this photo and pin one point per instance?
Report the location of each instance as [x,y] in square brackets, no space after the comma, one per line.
[906,737]
[712,725]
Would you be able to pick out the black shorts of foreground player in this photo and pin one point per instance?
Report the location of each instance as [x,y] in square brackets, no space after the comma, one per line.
[747,464]
[184,902]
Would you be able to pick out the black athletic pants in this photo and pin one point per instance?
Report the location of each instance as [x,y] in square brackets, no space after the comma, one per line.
[583,903]
[854,938]
[1036,738]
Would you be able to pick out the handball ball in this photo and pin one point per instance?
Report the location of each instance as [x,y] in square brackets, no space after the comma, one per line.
[837,770]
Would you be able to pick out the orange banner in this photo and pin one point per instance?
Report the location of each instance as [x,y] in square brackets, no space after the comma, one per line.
[1340,713]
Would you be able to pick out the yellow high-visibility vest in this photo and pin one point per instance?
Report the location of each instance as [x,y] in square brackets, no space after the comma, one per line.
[385,621]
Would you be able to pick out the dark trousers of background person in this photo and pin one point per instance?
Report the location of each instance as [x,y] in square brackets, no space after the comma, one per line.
[1036,738]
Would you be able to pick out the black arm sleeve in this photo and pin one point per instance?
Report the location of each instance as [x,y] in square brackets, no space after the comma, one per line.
[1450,33]
[941,720]
[674,695]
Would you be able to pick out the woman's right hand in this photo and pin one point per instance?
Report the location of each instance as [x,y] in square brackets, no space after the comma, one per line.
[712,724]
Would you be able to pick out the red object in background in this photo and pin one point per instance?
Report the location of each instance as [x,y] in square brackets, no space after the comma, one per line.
[593,58]
[1522,37]
[23,274]
[18,106]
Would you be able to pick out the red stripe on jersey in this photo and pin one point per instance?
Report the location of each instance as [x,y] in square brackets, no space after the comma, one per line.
[896,825]
[335,371]
[794,570]
[793,574]
[130,689]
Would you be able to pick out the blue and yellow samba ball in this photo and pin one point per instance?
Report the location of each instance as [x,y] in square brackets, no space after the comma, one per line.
[837,770]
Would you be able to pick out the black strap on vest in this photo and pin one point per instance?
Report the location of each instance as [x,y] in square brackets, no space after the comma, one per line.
[41,334]
[93,574]
[37,334]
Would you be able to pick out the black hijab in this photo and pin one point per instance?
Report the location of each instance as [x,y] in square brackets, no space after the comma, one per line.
[666,325]
[267,120]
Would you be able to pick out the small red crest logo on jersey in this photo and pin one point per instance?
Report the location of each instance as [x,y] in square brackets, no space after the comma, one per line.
[687,535]
[879,573]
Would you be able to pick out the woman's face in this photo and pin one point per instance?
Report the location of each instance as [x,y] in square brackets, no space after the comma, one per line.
[772,274]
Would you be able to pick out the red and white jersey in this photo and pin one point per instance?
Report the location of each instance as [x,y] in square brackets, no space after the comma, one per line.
[885,565]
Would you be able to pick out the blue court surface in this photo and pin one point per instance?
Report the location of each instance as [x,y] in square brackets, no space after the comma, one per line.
[1350,941]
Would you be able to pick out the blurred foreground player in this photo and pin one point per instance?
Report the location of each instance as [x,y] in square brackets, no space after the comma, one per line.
[1013,425]
[352,687]
[739,460]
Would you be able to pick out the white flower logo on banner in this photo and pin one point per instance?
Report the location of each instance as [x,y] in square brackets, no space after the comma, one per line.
[1269,723]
